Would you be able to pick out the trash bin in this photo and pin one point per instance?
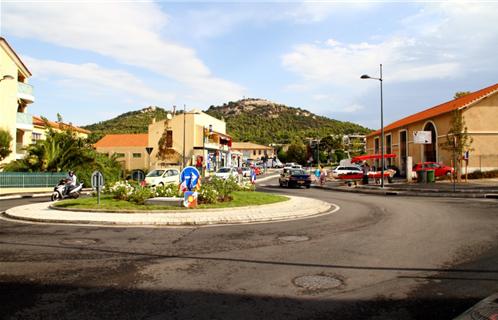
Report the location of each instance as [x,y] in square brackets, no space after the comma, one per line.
[422,176]
[431,176]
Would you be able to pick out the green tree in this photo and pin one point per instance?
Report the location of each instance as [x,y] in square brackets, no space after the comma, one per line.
[458,140]
[5,140]
[64,151]
[297,152]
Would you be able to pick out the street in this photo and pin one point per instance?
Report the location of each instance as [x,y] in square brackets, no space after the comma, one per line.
[376,258]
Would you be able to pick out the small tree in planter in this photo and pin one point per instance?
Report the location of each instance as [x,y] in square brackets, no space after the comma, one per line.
[458,141]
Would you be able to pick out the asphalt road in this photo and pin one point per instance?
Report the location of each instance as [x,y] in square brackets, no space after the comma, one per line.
[376,258]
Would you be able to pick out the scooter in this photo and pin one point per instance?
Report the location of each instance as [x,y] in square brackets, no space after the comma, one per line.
[59,193]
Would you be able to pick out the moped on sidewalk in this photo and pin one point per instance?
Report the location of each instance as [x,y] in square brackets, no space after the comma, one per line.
[60,192]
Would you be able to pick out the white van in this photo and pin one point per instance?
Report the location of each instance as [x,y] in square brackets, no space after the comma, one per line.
[161,177]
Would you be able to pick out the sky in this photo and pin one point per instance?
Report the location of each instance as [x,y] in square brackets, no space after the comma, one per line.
[94,60]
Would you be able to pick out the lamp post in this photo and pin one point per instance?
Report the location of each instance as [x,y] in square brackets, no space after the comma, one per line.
[7,77]
[184,125]
[381,124]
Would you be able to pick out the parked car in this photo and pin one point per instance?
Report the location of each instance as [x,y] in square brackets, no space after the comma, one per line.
[226,172]
[294,178]
[440,169]
[161,177]
[293,165]
[341,170]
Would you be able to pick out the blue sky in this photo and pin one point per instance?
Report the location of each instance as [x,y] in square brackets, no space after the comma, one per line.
[93,60]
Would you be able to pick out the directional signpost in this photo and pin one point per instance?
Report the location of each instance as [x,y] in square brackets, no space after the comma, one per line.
[97,183]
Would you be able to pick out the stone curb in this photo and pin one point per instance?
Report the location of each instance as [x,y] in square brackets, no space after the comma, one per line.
[289,210]
[35,195]
[393,192]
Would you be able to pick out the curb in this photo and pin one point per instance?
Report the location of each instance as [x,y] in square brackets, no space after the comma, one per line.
[393,192]
[252,214]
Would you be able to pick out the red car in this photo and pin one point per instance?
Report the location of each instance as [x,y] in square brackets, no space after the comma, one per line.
[439,168]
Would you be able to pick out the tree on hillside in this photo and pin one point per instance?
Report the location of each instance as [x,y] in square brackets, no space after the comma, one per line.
[460,94]
[297,152]
[458,140]
[5,140]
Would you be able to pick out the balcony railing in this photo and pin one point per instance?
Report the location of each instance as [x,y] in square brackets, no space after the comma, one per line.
[24,121]
[25,91]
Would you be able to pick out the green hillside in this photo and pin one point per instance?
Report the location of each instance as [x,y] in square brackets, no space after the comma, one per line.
[129,122]
[266,122]
[255,120]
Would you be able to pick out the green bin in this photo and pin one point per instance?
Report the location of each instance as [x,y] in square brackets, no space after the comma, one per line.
[431,176]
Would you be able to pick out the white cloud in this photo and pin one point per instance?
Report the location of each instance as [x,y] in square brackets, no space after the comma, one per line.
[129,33]
[315,11]
[441,41]
[96,80]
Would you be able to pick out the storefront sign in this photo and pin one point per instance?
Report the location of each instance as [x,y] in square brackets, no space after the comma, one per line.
[422,137]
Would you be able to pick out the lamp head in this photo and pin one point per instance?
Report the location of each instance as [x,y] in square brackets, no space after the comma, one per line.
[7,77]
[365,76]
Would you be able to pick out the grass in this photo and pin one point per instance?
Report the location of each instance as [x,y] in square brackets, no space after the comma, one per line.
[107,203]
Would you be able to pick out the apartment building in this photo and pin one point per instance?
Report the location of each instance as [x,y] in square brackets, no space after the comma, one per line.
[16,95]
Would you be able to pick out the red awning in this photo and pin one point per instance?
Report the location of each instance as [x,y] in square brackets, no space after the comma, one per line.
[372,156]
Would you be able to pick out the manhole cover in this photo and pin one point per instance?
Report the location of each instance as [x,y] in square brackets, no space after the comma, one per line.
[79,242]
[293,238]
[317,282]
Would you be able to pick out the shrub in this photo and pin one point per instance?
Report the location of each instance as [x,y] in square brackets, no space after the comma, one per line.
[169,190]
[208,194]
[120,190]
[482,174]
[140,194]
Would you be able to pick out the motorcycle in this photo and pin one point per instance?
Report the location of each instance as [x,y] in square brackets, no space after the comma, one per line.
[59,193]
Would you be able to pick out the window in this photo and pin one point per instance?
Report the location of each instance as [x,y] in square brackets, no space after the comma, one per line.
[120,155]
[35,136]
[259,152]
[254,152]
[137,155]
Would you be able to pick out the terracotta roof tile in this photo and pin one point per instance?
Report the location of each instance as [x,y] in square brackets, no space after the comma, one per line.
[38,121]
[441,109]
[123,140]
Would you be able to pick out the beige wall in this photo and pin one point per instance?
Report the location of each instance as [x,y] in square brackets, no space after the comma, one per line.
[482,122]
[128,161]
[10,65]
[194,124]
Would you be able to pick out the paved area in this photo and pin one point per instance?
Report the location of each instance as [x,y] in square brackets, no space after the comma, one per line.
[484,188]
[294,208]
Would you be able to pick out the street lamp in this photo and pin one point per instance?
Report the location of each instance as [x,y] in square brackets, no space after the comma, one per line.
[381,124]
[7,77]
[184,125]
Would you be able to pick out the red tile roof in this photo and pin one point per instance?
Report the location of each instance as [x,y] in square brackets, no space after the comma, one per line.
[123,140]
[449,106]
[38,121]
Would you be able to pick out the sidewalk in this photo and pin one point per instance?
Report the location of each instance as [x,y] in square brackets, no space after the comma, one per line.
[482,188]
[294,208]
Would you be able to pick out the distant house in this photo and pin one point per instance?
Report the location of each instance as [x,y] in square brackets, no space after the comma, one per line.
[253,151]
[480,113]
[129,148]
[40,128]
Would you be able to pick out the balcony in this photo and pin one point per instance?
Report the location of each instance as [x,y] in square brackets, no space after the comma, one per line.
[24,121]
[25,92]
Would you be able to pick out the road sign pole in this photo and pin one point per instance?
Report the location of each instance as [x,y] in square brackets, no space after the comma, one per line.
[98,195]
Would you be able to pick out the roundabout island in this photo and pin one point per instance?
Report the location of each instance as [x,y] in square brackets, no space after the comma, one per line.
[291,209]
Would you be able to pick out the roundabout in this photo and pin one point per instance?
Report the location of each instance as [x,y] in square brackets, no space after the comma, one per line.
[294,208]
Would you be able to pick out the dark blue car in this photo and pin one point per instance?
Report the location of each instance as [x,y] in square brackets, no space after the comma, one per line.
[294,178]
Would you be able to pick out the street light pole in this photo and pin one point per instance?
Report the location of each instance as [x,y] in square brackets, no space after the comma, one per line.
[381,124]
[184,121]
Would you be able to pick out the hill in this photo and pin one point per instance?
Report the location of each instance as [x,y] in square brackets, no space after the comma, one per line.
[265,122]
[255,120]
[129,122]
